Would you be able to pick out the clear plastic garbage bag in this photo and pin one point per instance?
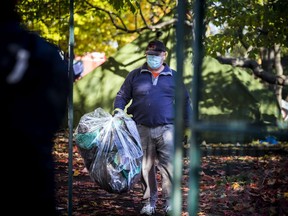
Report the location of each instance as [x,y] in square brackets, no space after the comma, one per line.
[111,149]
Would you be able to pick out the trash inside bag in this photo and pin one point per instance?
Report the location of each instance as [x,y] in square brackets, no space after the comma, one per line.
[111,149]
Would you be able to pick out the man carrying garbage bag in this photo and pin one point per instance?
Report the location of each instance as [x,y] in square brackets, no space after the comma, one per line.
[151,88]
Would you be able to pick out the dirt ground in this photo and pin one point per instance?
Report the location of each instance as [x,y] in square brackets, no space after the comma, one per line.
[234,183]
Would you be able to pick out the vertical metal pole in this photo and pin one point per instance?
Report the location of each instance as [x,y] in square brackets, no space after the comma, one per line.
[195,151]
[179,104]
[70,106]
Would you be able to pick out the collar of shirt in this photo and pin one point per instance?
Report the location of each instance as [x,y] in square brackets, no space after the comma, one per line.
[166,71]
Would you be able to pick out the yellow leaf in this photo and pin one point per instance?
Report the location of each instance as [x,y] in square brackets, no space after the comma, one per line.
[76,173]
[235,186]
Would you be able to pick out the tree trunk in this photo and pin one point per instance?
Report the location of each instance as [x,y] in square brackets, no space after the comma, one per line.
[279,72]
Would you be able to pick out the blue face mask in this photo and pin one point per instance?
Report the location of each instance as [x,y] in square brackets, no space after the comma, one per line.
[154,62]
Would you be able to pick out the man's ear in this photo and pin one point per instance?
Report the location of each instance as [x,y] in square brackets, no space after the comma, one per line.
[165,55]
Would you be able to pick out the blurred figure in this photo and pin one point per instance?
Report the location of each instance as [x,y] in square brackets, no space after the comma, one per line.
[34,89]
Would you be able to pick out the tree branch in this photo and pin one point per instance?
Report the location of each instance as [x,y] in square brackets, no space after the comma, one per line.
[111,16]
[256,69]
[123,27]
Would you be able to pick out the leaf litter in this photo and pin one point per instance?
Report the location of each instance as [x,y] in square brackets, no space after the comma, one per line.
[230,185]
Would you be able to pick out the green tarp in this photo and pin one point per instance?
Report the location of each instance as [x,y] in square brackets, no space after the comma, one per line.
[227,93]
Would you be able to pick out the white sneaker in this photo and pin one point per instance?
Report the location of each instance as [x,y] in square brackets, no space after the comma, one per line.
[147,210]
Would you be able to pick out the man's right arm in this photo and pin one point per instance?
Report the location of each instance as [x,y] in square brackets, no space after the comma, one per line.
[124,95]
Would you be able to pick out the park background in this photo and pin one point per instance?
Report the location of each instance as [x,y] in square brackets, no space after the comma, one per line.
[255,31]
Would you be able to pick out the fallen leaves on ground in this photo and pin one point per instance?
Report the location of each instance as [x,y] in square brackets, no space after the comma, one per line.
[231,184]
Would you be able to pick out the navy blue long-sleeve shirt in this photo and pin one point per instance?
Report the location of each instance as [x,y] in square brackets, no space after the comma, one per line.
[152,98]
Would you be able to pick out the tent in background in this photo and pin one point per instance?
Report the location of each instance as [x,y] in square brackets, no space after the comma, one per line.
[227,93]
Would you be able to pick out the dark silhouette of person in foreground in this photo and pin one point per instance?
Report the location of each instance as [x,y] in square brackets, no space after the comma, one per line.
[34,89]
